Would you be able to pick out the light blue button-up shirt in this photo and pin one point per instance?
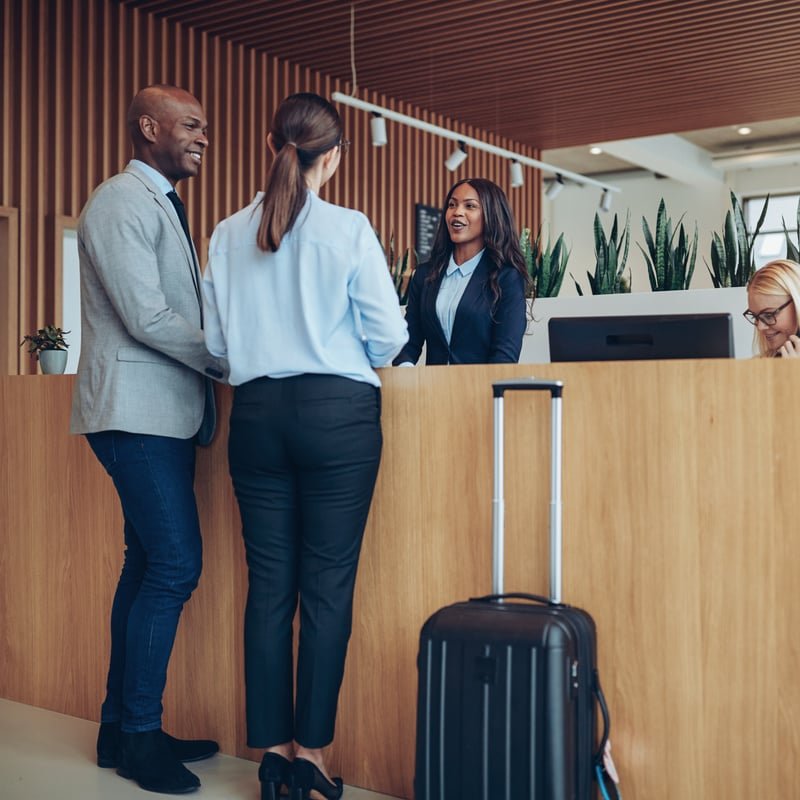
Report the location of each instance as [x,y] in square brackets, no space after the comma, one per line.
[323,303]
[153,174]
[452,289]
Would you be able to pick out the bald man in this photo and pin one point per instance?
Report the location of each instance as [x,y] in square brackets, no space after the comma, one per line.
[143,402]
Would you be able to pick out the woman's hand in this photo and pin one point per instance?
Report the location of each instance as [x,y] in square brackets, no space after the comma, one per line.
[790,348]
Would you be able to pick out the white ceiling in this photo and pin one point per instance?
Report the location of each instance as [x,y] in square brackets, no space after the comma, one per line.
[771,142]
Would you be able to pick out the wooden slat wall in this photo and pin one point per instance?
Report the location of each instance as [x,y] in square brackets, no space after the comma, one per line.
[9,288]
[69,70]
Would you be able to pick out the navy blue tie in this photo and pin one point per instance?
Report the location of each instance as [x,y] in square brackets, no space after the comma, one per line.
[180,209]
[209,422]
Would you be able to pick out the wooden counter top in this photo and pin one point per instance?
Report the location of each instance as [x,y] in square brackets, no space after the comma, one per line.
[680,490]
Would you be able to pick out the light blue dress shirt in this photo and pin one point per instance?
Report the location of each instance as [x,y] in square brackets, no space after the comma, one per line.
[323,303]
[451,290]
[153,174]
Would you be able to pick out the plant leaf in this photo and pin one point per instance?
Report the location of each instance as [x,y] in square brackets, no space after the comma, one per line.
[662,236]
[650,271]
[599,235]
[731,252]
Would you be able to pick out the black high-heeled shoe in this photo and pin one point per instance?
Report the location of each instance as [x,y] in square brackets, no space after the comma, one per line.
[275,771]
[306,777]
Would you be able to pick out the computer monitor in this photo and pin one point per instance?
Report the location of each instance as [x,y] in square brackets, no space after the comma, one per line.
[641,337]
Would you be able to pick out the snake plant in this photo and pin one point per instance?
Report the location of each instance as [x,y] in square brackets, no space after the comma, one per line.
[399,268]
[792,249]
[670,264]
[732,256]
[545,266]
[611,254]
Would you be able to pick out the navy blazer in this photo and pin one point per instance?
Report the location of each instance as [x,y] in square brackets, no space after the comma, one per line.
[479,336]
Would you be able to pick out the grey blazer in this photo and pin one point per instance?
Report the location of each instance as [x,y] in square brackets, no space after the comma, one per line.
[143,355]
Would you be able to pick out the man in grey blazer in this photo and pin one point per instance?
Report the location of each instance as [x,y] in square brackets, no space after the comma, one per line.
[141,398]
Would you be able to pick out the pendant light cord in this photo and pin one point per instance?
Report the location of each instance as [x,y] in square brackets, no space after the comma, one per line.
[354,88]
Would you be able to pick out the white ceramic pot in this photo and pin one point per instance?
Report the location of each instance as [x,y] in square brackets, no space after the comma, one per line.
[53,362]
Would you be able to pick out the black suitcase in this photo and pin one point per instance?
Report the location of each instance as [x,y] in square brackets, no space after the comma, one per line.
[507,690]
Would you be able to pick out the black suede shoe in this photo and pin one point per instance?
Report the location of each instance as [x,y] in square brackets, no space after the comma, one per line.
[147,758]
[183,749]
[191,749]
[307,778]
[108,745]
[275,775]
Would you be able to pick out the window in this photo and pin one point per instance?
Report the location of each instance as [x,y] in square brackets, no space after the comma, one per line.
[771,240]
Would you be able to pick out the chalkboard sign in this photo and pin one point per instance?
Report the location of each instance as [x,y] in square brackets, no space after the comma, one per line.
[426,223]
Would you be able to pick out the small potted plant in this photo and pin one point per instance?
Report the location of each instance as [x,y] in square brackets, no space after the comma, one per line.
[670,262]
[400,267]
[49,347]
[546,266]
[611,254]
[733,253]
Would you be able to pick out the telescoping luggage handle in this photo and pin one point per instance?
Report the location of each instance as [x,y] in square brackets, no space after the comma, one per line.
[498,503]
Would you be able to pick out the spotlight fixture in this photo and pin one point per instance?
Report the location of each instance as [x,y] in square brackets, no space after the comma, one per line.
[377,127]
[605,200]
[744,130]
[554,187]
[457,157]
[466,141]
[515,174]
[595,151]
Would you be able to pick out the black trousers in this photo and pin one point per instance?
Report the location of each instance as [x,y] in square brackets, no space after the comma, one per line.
[304,455]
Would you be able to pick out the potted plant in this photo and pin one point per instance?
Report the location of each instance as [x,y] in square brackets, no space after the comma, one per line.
[732,256]
[545,266]
[792,249]
[670,264]
[611,254]
[49,347]
[400,268]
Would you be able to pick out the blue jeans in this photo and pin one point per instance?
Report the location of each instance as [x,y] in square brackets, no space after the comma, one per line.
[154,478]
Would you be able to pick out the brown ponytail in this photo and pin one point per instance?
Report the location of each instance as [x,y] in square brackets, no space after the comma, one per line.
[304,127]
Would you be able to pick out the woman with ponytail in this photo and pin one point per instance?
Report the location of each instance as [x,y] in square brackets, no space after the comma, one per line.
[298,298]
[467,303]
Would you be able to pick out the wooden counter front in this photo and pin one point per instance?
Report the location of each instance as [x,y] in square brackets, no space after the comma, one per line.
[680,538]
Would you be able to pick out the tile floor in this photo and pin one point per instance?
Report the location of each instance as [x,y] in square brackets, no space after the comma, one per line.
[47,755]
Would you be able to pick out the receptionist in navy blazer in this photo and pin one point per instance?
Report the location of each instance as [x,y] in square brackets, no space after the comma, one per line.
[467,303]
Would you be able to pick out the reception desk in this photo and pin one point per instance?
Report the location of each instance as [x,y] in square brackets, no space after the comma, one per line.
[680,537]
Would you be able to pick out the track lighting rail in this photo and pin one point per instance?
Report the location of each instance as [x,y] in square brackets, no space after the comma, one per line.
[468,141]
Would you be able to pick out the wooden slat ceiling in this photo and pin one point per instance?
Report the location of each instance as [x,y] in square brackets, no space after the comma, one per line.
[549,73]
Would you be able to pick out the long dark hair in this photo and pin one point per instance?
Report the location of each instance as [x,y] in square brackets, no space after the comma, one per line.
[500,237]
[304,127]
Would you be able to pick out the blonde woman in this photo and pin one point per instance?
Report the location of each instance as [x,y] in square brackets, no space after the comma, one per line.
[773,295]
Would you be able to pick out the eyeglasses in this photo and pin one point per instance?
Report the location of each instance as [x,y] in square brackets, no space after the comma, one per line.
[344,145]
[767,317]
